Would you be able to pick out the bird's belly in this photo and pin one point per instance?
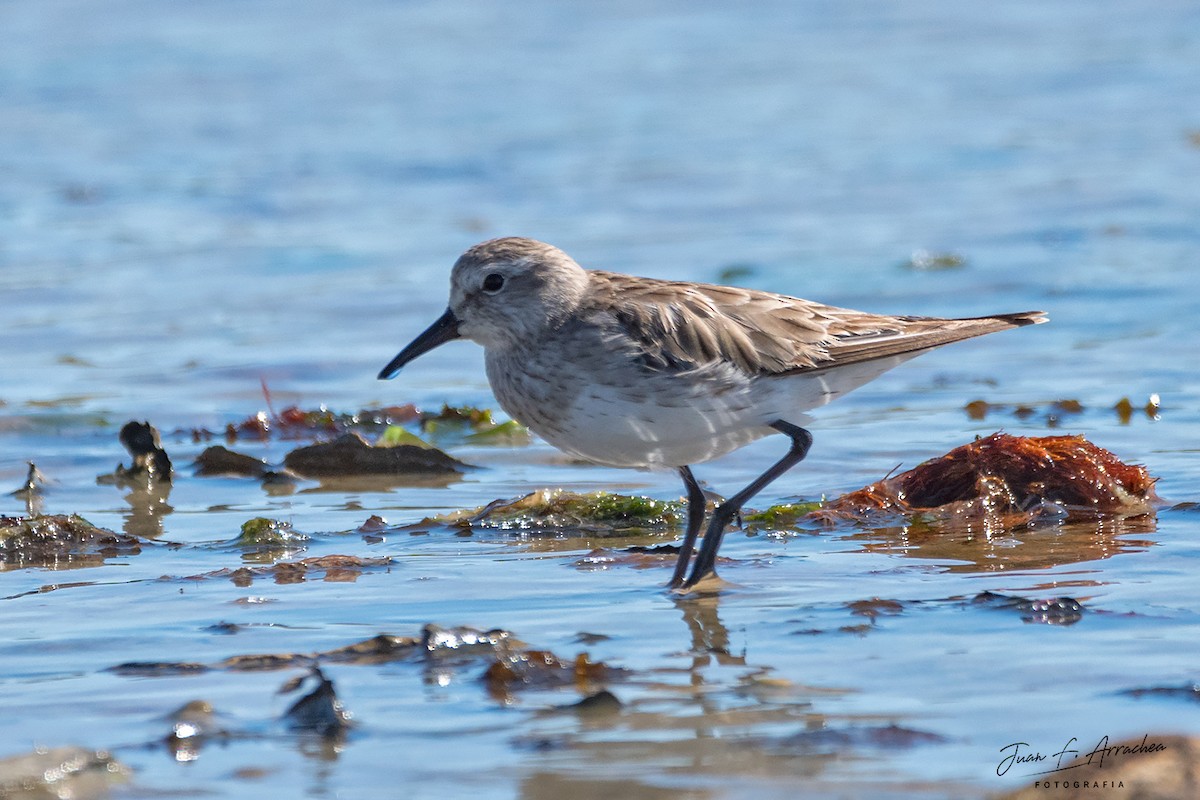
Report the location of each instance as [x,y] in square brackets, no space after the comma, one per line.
[647,419]
[608,428]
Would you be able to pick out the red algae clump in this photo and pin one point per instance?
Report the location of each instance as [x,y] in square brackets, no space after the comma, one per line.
[1015,477]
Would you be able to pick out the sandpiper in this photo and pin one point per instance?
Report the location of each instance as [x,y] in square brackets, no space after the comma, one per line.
[645,373]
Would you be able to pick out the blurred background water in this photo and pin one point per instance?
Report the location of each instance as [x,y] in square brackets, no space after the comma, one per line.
[198,198]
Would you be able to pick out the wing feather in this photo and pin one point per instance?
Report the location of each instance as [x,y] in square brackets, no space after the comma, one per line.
[679,326]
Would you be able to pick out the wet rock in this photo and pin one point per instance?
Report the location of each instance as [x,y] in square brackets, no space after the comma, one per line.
[61,772]
[439,642]
[59,542]
[1054,611]
[556,510]
[320,711]
[376,650]
[262,539]
[150,460]
[218,460]
[351,455]
[1011,481]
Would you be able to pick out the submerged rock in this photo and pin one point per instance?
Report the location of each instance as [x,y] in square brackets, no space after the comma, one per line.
[59,542]
[1054,611]
[439,642]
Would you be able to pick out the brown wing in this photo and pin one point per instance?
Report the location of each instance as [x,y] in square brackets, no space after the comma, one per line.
[680,325]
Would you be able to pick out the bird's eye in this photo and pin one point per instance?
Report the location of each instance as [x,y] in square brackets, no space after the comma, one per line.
[493,283]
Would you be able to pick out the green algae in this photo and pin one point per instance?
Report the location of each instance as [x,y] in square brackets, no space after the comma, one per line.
[783,515]
[559,509]
[395,436]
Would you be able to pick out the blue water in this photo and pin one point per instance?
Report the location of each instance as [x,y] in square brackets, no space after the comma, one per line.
[199,198]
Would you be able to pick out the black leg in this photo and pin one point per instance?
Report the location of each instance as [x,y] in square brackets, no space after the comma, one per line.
[724,513]
[695,518]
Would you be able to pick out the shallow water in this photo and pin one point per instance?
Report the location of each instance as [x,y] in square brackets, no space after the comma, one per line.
[200,198]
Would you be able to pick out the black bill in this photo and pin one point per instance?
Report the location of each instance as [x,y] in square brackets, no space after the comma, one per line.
[440,332]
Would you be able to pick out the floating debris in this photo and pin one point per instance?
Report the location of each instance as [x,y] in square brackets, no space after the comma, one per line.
[376,650]
[320,711]
[1052,412]
[733,273]
[1125,409]
[1012,481]
[331,569]
[931,261]
[522,669]
[875,607]
[296,423]
[468,417]
[396,436]
[508,434]
[60,542]
[351,455]
[61,772]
